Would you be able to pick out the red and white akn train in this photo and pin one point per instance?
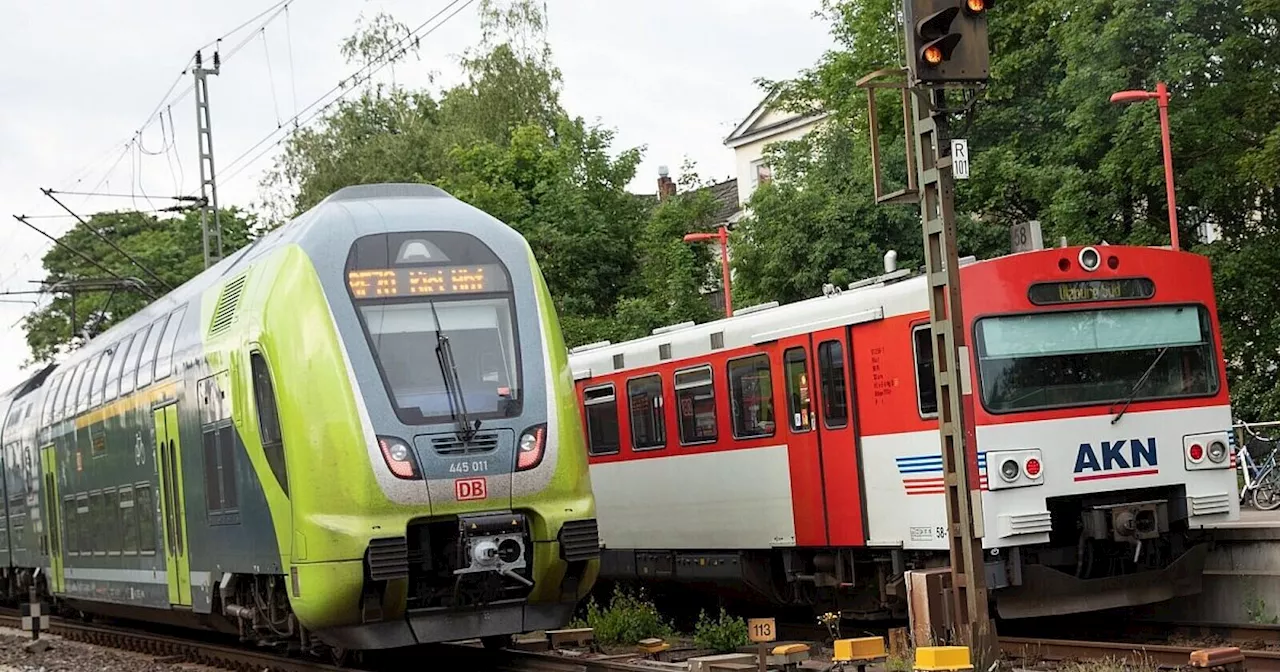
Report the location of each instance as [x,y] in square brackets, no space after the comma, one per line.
[793,450]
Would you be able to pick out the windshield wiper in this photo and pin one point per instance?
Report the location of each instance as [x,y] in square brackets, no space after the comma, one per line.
[1133,393]
[452,384]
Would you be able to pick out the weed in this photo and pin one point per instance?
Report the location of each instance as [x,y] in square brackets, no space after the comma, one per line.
[724,634]
[627,620]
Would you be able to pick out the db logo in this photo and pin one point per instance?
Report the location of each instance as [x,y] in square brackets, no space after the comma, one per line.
[470,488]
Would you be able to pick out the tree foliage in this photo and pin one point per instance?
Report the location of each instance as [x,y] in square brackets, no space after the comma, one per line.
[170,247]
[1048,145]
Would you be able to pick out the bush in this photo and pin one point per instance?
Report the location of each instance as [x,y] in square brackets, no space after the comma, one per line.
[724,634]
[627,620]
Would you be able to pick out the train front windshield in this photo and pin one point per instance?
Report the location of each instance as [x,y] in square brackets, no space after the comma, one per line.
[411,289]
[1085,357]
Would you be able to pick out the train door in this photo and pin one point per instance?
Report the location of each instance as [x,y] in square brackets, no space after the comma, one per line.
[172,509]
[804,449]
[53,514]
[838,435]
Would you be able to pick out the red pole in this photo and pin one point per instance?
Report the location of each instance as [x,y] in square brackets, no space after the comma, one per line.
[1162,99]
[724,269]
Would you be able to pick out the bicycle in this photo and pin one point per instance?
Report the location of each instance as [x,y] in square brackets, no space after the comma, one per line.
[1261,482]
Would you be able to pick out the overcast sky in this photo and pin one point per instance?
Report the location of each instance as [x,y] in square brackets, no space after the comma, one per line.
[79,78]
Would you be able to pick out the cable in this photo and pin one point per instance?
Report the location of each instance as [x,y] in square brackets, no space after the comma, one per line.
[177,156]
[240,27]
[293,80]
[105,239]
[173,176]
[78,253]
[355,78]
[271,76]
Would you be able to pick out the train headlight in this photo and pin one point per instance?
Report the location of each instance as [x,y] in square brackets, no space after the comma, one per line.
[1009,470]
[1217,451]
[533,443]
[399,457]
[1090,259]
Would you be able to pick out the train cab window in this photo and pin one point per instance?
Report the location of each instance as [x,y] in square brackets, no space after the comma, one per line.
[128,521]
[269,419]
[799,399]
[145,507]
[147,365]
[648,425]
[602,420]
[98,386]
[117,367]
[133,371]
[835,405]
[751,397]
[696,406]
[164,355]
[86,383]
[926,392]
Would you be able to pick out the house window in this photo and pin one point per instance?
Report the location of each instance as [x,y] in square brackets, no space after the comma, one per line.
[761,173]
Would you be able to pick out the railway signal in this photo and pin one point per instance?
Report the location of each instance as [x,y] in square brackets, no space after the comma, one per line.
[947,41]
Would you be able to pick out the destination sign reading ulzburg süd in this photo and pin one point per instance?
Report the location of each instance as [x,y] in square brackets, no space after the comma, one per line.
[1091,290]
[386,282]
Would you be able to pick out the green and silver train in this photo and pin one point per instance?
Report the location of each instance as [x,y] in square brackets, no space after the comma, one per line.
[357,432]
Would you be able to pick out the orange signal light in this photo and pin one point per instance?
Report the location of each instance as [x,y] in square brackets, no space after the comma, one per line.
[933,55]
[976,6]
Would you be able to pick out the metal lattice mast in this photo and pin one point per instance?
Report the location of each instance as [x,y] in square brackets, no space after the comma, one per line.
[208,182]
[963,497]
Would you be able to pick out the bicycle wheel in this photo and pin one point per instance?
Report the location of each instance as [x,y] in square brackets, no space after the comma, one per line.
[1266,497]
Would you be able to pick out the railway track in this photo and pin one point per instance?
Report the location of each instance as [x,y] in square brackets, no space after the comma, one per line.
[174,649]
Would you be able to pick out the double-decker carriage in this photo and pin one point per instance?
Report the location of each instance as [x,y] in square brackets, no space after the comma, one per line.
[793,450]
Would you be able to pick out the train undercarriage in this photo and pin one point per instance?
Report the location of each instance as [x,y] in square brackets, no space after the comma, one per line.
[1105,551]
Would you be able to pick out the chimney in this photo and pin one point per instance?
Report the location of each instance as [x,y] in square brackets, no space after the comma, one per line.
[666,186]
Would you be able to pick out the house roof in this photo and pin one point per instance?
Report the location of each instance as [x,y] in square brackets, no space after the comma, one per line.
[727,194]
[749,130]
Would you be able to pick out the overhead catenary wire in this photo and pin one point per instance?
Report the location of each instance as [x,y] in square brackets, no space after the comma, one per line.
[82,255]
[314,109]
[105,239]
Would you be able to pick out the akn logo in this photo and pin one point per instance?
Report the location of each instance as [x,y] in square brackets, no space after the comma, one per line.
[1126,457]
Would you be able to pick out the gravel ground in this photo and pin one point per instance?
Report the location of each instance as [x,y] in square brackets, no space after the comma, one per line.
[64,656]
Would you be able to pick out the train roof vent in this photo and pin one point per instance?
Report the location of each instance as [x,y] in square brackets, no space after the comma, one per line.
[224,313]
[755,309]
[590,346]
[881,279]
[672,327]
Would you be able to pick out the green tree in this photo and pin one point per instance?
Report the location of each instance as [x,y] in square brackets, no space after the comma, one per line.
[170,247]
[500,141]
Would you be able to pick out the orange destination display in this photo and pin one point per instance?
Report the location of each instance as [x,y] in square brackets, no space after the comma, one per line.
[393,282]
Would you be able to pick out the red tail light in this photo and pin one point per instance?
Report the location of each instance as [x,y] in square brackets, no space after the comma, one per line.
[533,444]
[1032,467]
[399,457]
[1195,452]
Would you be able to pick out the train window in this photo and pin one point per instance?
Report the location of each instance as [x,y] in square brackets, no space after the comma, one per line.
[128,521]
[164,356]
[70,525]
[84,524]
[696,406]
[926,392]
[835,406]
[66,401]
[145,507]
[98,387]
[799,400]
[98,518]
[147,363]
[269,419]
[86,383]
[602,420]
[648,427]
[751,397]
[111,515]
[117,368]
[220,494]
[50,393]
[133,371]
